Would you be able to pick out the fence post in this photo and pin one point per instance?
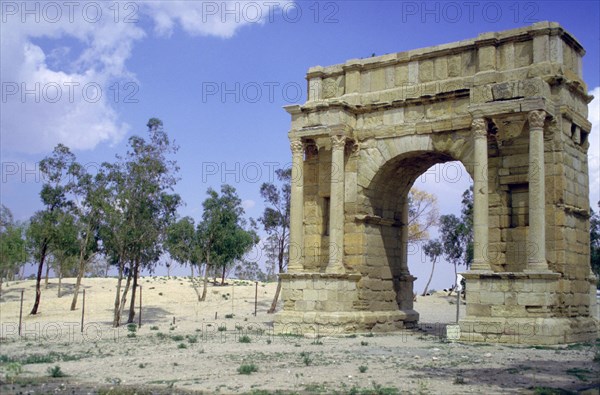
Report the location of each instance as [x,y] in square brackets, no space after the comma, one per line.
[21,312]
[82,310]
[140,316]
[255,297]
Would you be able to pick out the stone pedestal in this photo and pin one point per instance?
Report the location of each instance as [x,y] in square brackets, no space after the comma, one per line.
[327,304]
[521,308]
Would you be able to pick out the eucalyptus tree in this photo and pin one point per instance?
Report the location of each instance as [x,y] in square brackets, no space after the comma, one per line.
[457,234]
[91,194]
[423,214]
[59,171]
[181,243]
[276,223]
[142,207]
[222,234]
[12,245]
[433,249]
[64,246]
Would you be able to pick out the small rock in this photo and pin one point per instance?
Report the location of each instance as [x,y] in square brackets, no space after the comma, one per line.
[488,355]
[417,357]
[434,358]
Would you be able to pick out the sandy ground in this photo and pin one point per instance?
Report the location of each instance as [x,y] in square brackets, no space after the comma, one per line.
[182,348]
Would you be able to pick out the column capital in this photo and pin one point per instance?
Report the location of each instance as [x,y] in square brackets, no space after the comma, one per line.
[338,141]
[536,119]
[297,146]
[479,127]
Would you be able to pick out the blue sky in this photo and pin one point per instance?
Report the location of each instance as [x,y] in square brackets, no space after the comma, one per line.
[174,59]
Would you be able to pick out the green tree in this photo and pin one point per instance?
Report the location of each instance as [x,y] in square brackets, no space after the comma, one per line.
[90,194]
[457,234]
[454,240]
[59,170]
[64,246]
[13,253]
[140,208]
[276,223]
[222,234]
[249,270]
[181,243]
[433,249]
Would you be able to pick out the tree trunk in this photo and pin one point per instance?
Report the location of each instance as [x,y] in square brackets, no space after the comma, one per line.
[194,282]
[203,298]
[136,271]
[59,283]
[80,273]
[118,295]
[223,276]
[38,290]
[276,297]
[47,273]
[430,277]
[455,275]
[124,297]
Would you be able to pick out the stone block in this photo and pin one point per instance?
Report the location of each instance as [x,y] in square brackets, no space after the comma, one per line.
[531,299]
[479,310]
[492,298]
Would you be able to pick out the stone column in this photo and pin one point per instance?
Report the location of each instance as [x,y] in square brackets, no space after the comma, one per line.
[297,207]
[480,196]
[336,206]
[404,239]
[536,240]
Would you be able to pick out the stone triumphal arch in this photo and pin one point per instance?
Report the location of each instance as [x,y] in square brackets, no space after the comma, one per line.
[512,108]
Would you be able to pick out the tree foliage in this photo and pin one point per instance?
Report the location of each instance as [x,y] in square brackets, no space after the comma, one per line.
[433,249]
[423,214]
[276,223]
[13,253]
[223,235]
[457,234]
[138,208]
[60,171]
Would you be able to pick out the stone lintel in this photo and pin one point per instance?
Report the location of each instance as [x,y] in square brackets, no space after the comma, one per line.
[572,115]
[511,275]
[502,108]
[321,276]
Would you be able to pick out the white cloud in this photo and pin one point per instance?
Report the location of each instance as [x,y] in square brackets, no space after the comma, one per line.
[594,150]
[211,18]
[50,95]
[65,90]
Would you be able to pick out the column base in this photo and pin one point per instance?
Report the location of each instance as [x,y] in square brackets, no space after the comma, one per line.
[327,304]
[321,323]
[514,330]
[335,269]
[522,308]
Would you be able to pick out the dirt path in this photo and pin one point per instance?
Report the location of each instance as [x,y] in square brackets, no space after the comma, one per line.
[181,347]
